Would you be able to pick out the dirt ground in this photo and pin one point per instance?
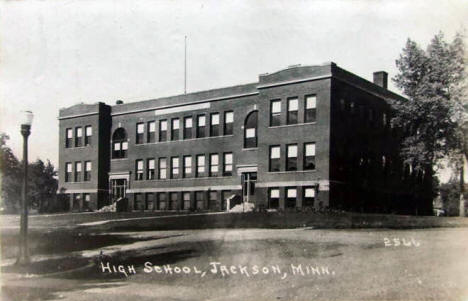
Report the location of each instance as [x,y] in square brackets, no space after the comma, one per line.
[249,264]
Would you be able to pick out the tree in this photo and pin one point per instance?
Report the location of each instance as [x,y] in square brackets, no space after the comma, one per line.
[42,185]
[433,119]
[10,174]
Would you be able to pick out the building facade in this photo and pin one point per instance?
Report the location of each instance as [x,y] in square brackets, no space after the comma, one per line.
[301,138]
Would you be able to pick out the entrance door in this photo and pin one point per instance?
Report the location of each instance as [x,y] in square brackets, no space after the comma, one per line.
[248,186]
[118,189]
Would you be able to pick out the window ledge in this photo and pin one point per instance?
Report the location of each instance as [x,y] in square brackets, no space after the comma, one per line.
[119,159]
[250,149]
[181,179]
[291,125]
[182,140]
[291,171]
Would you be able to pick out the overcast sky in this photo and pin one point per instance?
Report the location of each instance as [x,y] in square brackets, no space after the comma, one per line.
[55,54]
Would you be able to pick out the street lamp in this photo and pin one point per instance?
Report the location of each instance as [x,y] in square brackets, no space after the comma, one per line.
[23,254]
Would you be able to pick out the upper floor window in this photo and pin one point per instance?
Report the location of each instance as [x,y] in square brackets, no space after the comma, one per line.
[214,124]
[227,170]
[88,134]
[201,126]
[275,156]
[291,154]
[139,170]
[175,129]
[293,107]
[275,112]
[188,124]
[150,169]
[310,112]
[140,132]
[151,132]
[250,130]
[187,166]
[200,165]
[174,167]
[162,168]
[77,171]
[78,137]
[87,173]
[119,144]
[69,137]
[68,171]
[228,123]
[309,156]
[214,165]
[162,130]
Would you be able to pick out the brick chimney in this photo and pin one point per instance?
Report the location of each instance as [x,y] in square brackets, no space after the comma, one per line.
[381,78]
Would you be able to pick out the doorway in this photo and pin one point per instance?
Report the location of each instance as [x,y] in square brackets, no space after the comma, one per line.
[118,189]
[248,180]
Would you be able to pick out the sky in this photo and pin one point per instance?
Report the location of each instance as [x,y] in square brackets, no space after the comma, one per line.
[55,54]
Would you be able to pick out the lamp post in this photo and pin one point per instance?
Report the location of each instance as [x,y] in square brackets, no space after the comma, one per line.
[23,254]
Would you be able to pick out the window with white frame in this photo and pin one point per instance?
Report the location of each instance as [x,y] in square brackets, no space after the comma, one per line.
[68,171]
[139,170]
[78,137]
[69,138]
[174,167]
[291,157]
[291,197]
[87,173]
[150,166]
[187,166]
[309,156]
[151,138]
[214,124]
[200,165]
[293,107]
[162,130]
[310,111]
[88,134]
[275,112]
[162,172]
[228,123]
[201,126]
[228,162]
[175,129]
[275,156]
[140,132]
[273,198]
[214,165]
[188,124]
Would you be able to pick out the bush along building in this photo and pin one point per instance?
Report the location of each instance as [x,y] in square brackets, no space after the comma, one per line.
[303,138]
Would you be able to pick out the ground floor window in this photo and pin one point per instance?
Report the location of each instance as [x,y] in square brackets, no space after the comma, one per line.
[162,201]
[225,195]
[173,200]
[139,204]
[273,198]
[76,201]
[213,199]
[150,201]
[87,199]
[309,197]
[186,201]
[199,199]
[291,196]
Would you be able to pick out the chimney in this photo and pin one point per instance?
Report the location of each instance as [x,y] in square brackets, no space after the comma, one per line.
[380,79]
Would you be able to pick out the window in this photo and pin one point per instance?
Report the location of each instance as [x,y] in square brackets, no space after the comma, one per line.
[293,107]
[291,155]
[76,201]
[150,169]
[309,197]
[174,167]
[162,168]
[187,166]
[250,131]
[87,173]
[162,130]
[68,172]
[201,126]
[214,124]
[119,144]
[175,129]
[384,119]
[151,138]
[77,171]
[78,137]
[162,201]
[275,156]
[139,170]
[291,196]
[173,200]
[88,134]
[200,165]
[140,132]
[149,201]
[68,138]
[310,112]
[309,156]
[139,204]
[186,201]
[188,127]
[86,200]
[214,165]
[275,112]
[273,198]
[352,108]
[212,200]
[227,169]
[199,199]
[228,123]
